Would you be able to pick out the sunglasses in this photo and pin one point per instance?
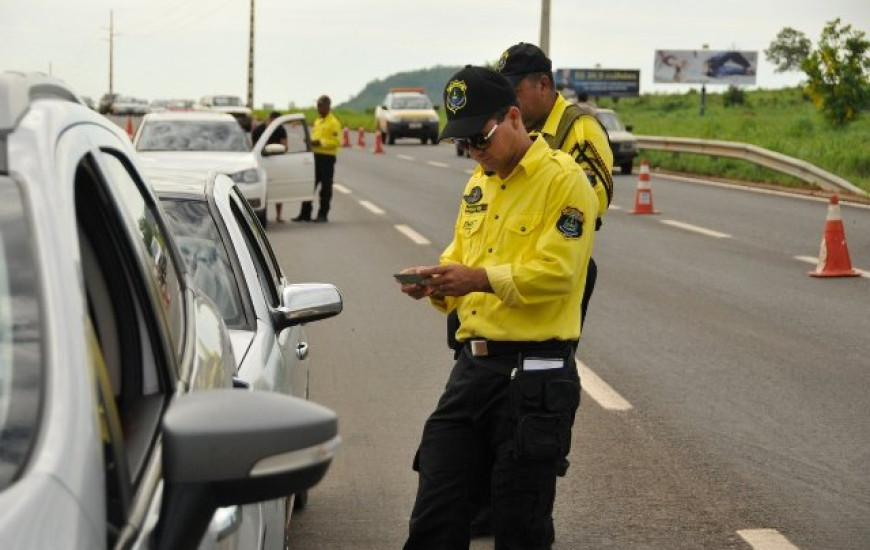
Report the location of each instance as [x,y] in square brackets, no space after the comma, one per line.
[477,141]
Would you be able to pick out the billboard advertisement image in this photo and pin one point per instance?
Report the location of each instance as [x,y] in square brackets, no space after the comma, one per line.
[705,67]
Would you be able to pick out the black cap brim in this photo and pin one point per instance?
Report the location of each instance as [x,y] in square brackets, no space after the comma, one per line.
[464,127]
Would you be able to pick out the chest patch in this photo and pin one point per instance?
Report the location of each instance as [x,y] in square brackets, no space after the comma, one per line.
[475,208]
[570,223]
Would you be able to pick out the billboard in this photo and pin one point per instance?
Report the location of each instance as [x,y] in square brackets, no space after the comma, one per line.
[600,82]
[705,67]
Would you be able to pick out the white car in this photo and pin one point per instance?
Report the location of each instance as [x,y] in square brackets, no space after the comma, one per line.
[214,142]
[407,112]
[229,104]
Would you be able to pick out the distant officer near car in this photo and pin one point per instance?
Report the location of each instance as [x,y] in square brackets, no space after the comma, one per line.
[515,273]
[325,141]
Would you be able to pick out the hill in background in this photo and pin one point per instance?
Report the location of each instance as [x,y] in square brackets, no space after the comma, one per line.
[433,80]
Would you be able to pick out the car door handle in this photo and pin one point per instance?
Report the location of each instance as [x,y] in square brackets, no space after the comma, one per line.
[302,350]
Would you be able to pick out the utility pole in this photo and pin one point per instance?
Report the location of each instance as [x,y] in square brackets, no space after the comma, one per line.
[111,52]
[545,27]
[251,61]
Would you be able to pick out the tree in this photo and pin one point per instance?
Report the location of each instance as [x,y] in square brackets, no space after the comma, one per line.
[788,50]
[838,72]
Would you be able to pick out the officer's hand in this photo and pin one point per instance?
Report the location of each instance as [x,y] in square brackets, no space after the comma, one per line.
[416,290]
[456,279]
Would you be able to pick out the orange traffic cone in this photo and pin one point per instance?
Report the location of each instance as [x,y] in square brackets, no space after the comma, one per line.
[361,139]
[643,201]
[345,137]
[130,131]
[379,144]
[834,255]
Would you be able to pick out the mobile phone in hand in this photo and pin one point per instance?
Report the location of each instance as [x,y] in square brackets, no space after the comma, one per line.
[410,278]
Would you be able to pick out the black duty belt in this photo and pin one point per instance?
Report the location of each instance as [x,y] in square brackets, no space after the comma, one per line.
[479,347]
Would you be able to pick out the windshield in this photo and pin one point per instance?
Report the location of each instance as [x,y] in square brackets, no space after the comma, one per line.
[610,121]
[20,336]
[192,135]
[413,102]
[227,101]
[205,256]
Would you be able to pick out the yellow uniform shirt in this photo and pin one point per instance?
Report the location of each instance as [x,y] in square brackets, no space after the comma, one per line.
[586,129]
[533,233]
[327,129]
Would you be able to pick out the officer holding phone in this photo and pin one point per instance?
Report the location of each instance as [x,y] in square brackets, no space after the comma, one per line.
[514,272]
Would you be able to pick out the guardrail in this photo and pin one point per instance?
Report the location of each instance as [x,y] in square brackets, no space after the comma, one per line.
[751,153]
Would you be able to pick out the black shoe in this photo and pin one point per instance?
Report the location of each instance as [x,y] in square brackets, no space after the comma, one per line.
[320,219]
[300,219]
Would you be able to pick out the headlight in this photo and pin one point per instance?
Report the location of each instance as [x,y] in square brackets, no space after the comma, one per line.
[251,175]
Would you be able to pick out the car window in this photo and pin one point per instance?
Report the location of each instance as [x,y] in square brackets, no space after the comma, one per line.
[205,254]
[297,136]
[21,361]
[258,246]
[192,135]
[153,235]
[412,102]
[227,101]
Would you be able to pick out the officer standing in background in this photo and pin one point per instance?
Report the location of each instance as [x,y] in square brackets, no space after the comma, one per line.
[515,273]
[325,143]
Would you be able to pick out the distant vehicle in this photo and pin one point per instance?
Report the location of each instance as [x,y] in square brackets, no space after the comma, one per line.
[128,105]
[87,100]
[212,141]
[158,105]
[119,418]
[180,105]
[407,112]
[105,105]
[229,104]
[622,141]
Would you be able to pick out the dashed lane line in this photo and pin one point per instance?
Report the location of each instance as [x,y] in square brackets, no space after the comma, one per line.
[437,164]
[600,391]
[411,234]
[405,157]
[696,229]
[815,261]
[371,207]
[766,539]
[341,189]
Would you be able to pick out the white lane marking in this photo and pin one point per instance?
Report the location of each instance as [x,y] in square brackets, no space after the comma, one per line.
[469,172]
[341,188]
[696,229]
[766,539]
[598,390]
[815,261]
[615,207]
[405,157]
[371,207]
[437,164]
[411,234]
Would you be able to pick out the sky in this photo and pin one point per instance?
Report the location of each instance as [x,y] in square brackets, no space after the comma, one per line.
[167,49]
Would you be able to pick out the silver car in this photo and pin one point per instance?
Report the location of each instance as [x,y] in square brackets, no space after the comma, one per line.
[119,424]
[231,260]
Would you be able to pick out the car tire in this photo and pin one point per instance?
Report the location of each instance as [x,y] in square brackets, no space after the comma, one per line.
[383,137]
[626,168]
[434,139]
[392,139]
[423,140]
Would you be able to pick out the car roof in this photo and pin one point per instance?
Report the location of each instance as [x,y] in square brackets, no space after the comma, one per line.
[178,183]
[191,115]
[19,89]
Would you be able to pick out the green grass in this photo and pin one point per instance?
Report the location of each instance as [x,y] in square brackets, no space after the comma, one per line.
[778,120]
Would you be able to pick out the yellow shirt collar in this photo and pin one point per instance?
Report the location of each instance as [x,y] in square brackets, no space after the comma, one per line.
[552,123]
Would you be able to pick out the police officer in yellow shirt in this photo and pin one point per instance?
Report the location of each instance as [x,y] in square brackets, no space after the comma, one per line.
[325,142]
[515,273]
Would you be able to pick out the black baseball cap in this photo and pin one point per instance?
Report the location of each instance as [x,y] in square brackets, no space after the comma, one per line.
[522,59]
[471,97]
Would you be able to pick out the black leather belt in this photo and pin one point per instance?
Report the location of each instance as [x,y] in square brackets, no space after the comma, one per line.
[479,347]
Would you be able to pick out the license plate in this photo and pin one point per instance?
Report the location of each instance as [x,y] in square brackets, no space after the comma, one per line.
[415,125]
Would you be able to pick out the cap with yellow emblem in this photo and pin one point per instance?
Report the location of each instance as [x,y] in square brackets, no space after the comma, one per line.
[471,97]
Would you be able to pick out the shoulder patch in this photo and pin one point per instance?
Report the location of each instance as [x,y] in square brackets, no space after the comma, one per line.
[570,223]
[474,196]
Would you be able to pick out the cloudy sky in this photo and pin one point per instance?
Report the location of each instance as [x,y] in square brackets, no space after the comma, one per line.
[190,48]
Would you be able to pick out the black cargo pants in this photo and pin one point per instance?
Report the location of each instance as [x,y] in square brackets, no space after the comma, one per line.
[497,435]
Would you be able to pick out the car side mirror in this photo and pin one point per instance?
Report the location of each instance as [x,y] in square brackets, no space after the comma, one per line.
[384,107]
[305,303]
[629,128]
[227,447]
[274,149]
